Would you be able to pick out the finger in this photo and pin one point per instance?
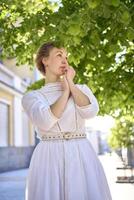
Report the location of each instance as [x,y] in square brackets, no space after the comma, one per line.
[64,77]
[65,70]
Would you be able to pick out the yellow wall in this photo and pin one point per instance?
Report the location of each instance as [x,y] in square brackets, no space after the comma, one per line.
[4,96]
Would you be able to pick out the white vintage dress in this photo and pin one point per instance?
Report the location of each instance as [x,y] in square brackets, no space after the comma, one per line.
[63,169]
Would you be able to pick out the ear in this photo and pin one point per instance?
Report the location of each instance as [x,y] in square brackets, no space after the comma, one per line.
[44,61]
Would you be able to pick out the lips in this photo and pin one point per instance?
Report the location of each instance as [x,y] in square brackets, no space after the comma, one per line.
[63,66]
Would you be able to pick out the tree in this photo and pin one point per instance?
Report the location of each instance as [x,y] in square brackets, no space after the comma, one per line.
[123,133]
[98,35]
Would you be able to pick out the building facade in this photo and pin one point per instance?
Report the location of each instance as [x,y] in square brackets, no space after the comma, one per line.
[17,137]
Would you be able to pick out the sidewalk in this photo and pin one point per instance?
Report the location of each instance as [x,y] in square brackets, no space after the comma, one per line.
[12,184]
[119,191]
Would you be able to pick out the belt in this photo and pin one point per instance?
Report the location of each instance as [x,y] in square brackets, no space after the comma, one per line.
[63,136]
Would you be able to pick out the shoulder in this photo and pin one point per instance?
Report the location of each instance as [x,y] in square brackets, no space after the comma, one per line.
[29,94]
[28,97]
[33,97]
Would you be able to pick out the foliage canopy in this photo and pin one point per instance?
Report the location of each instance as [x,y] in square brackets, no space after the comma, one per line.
[98,35]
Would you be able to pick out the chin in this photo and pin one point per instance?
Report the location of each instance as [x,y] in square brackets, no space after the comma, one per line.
[62,73]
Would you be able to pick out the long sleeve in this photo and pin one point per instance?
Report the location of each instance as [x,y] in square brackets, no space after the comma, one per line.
[38,110]
[90,110]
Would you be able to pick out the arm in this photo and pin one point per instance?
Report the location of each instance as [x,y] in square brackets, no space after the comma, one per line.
[85,101]
[59,106]
[40,113]
[90,110]
[79,97]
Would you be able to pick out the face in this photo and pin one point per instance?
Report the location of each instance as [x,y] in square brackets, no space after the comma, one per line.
[57,61]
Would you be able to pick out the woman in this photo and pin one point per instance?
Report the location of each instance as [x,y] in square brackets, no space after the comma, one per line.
[64,165]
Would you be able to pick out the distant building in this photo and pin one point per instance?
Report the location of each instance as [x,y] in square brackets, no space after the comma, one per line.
[98,129]
[94,138]
[17,137]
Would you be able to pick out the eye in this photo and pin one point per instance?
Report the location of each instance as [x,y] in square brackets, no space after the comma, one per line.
[59,55]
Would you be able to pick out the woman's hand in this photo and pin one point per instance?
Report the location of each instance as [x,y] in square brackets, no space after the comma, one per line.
[70,73]
[67,79]
[65,84]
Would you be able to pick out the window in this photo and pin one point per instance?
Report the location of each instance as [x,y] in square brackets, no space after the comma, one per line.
[4,123]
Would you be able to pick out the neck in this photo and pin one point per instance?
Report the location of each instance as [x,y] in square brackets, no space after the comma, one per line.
[52,79]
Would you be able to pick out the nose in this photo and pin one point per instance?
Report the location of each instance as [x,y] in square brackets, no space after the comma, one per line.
[64,61]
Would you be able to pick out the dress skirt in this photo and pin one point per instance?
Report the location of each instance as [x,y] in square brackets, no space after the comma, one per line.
[66,170]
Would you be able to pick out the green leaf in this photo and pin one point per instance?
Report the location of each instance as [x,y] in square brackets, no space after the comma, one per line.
[36,85]
[126,17]
[74,29]
[93,3]
[114,48]
[130,34]
[116,3]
